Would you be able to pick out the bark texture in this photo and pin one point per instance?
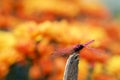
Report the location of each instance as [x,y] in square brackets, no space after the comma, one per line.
[71,69]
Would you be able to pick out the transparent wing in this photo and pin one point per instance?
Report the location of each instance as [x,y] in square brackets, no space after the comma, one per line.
[63,51]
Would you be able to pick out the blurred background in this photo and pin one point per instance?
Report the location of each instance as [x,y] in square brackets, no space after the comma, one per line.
[32,30]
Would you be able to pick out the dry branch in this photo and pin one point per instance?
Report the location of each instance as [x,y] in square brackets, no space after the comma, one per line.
[71,69]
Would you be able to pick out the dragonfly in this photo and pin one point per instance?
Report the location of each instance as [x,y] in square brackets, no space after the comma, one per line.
[90,54]
[72,49]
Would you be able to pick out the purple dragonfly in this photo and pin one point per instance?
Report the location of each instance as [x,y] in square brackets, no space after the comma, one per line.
[70,50]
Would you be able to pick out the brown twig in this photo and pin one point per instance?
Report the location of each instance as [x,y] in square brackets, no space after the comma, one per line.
[71,69]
